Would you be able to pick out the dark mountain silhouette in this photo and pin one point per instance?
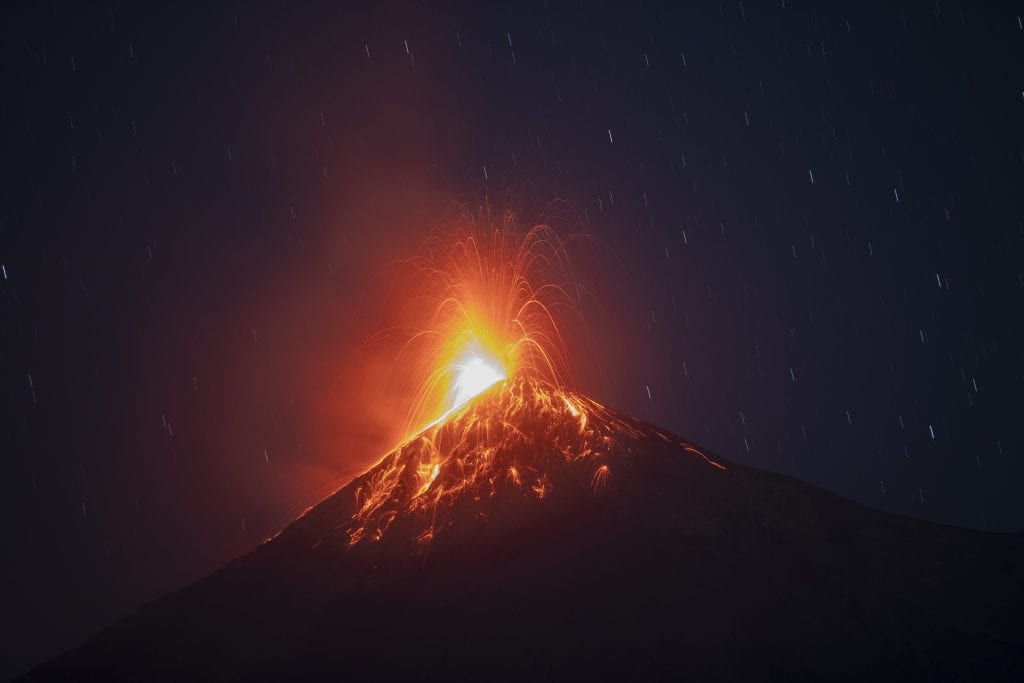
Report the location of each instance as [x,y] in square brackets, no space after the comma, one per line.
[536,534]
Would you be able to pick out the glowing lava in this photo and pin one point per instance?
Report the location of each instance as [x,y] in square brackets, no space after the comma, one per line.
[474,376]
[486,299]
[520,444]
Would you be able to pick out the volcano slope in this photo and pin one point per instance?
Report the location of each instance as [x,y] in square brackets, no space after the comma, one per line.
[536,534]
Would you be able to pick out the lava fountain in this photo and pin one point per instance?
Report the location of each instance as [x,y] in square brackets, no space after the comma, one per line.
[484,300]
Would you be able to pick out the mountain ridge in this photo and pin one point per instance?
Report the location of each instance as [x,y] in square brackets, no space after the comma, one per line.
[535,533]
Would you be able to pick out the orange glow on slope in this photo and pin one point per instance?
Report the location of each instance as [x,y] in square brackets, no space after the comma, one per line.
[521,440]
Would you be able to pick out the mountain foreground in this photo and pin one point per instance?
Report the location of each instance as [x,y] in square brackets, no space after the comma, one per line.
[536,534]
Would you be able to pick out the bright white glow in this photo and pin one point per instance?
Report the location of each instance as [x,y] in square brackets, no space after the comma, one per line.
[474,375]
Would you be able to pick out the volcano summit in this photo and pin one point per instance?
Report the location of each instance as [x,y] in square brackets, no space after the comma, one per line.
[533,533]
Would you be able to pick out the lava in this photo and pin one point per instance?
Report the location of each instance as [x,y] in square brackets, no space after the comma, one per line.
[519,439]
[475,375]
[485,299]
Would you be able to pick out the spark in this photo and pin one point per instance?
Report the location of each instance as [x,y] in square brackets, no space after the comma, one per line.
[600,478]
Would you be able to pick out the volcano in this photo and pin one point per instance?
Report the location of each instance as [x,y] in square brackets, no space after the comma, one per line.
[535,534]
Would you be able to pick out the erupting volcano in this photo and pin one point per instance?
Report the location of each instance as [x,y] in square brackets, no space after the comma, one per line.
[489,459]
[528,531]
[535,533]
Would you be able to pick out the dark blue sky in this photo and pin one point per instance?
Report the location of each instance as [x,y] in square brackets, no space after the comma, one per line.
[812,252]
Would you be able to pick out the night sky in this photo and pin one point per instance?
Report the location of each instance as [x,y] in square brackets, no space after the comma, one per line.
[808,254]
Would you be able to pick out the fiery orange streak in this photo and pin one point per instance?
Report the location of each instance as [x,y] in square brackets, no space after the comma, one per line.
[600,479]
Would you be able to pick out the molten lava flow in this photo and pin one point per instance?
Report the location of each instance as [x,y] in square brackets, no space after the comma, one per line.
[519,441]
